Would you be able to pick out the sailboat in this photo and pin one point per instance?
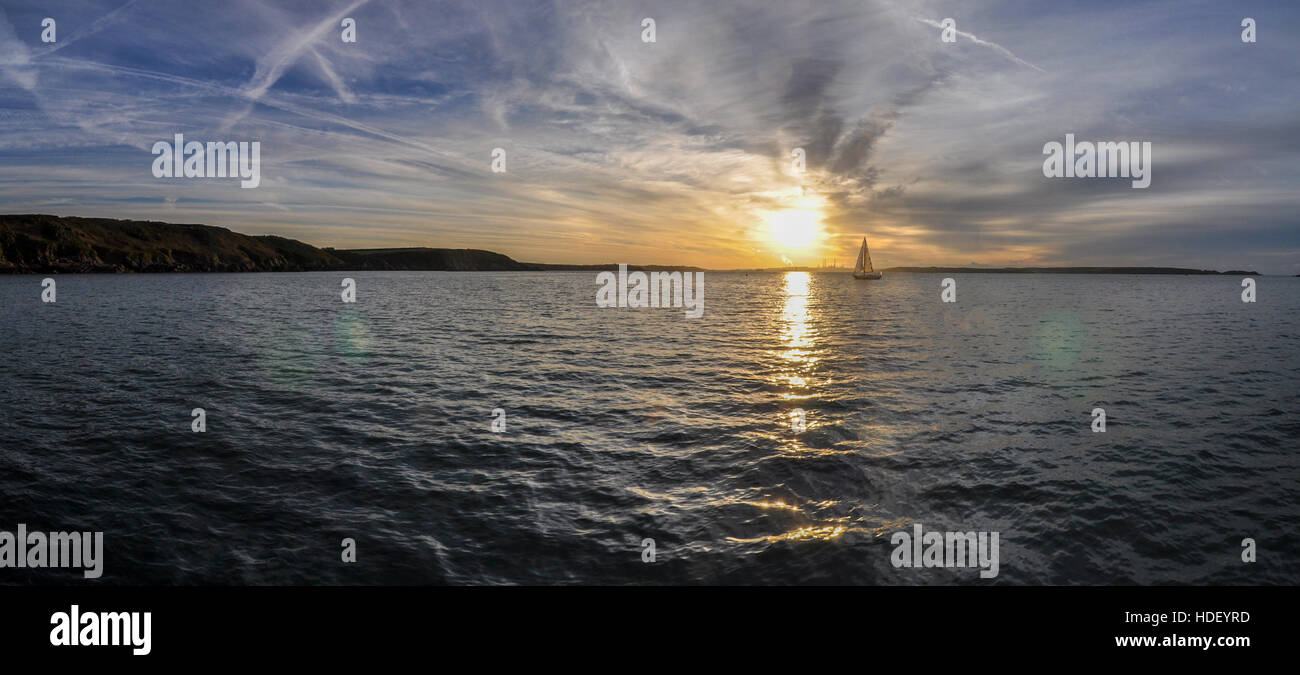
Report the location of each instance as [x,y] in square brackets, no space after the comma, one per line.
[863,269]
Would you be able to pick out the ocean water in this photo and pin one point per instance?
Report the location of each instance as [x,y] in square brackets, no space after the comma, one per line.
[372,421]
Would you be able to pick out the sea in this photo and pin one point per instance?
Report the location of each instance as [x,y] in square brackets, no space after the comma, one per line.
[501,428]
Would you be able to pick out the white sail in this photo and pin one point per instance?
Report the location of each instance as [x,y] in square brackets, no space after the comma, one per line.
[864,259]
[864,269]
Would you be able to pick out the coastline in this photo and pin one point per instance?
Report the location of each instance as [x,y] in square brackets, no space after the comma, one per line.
[47,244]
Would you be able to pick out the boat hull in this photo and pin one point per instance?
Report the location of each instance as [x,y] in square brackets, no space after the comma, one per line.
[867,276]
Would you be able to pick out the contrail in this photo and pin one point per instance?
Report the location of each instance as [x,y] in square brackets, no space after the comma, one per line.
[99,24]
[272,66]
[993,45]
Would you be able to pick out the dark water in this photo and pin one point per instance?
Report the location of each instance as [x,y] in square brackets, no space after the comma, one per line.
[372,421]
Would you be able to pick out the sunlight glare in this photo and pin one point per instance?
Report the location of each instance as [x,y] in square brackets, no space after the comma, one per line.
[796,227]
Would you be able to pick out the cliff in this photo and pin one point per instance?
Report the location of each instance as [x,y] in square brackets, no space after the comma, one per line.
[43,243]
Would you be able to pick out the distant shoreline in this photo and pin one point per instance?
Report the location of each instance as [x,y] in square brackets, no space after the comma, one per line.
[1066,270]
[46,244]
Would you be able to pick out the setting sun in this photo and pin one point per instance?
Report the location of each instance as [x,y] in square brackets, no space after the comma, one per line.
[796,227]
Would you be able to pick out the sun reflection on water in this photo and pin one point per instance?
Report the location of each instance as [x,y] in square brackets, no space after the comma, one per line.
[797,335]
[795,374]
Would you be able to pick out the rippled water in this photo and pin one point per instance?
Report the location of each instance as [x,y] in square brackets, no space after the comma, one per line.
[372,421]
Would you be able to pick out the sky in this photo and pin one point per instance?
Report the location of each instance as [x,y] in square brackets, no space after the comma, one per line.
[676,151]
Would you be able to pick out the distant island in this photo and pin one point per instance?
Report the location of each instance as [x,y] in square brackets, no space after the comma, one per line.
[41,244]
[1064,270]
[1009,270]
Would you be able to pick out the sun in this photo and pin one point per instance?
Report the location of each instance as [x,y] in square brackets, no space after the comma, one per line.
[795,227]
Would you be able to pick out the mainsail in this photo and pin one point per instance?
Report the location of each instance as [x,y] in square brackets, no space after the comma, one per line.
[864,259]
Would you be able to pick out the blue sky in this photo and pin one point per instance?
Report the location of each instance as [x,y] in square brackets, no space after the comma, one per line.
[677,151]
